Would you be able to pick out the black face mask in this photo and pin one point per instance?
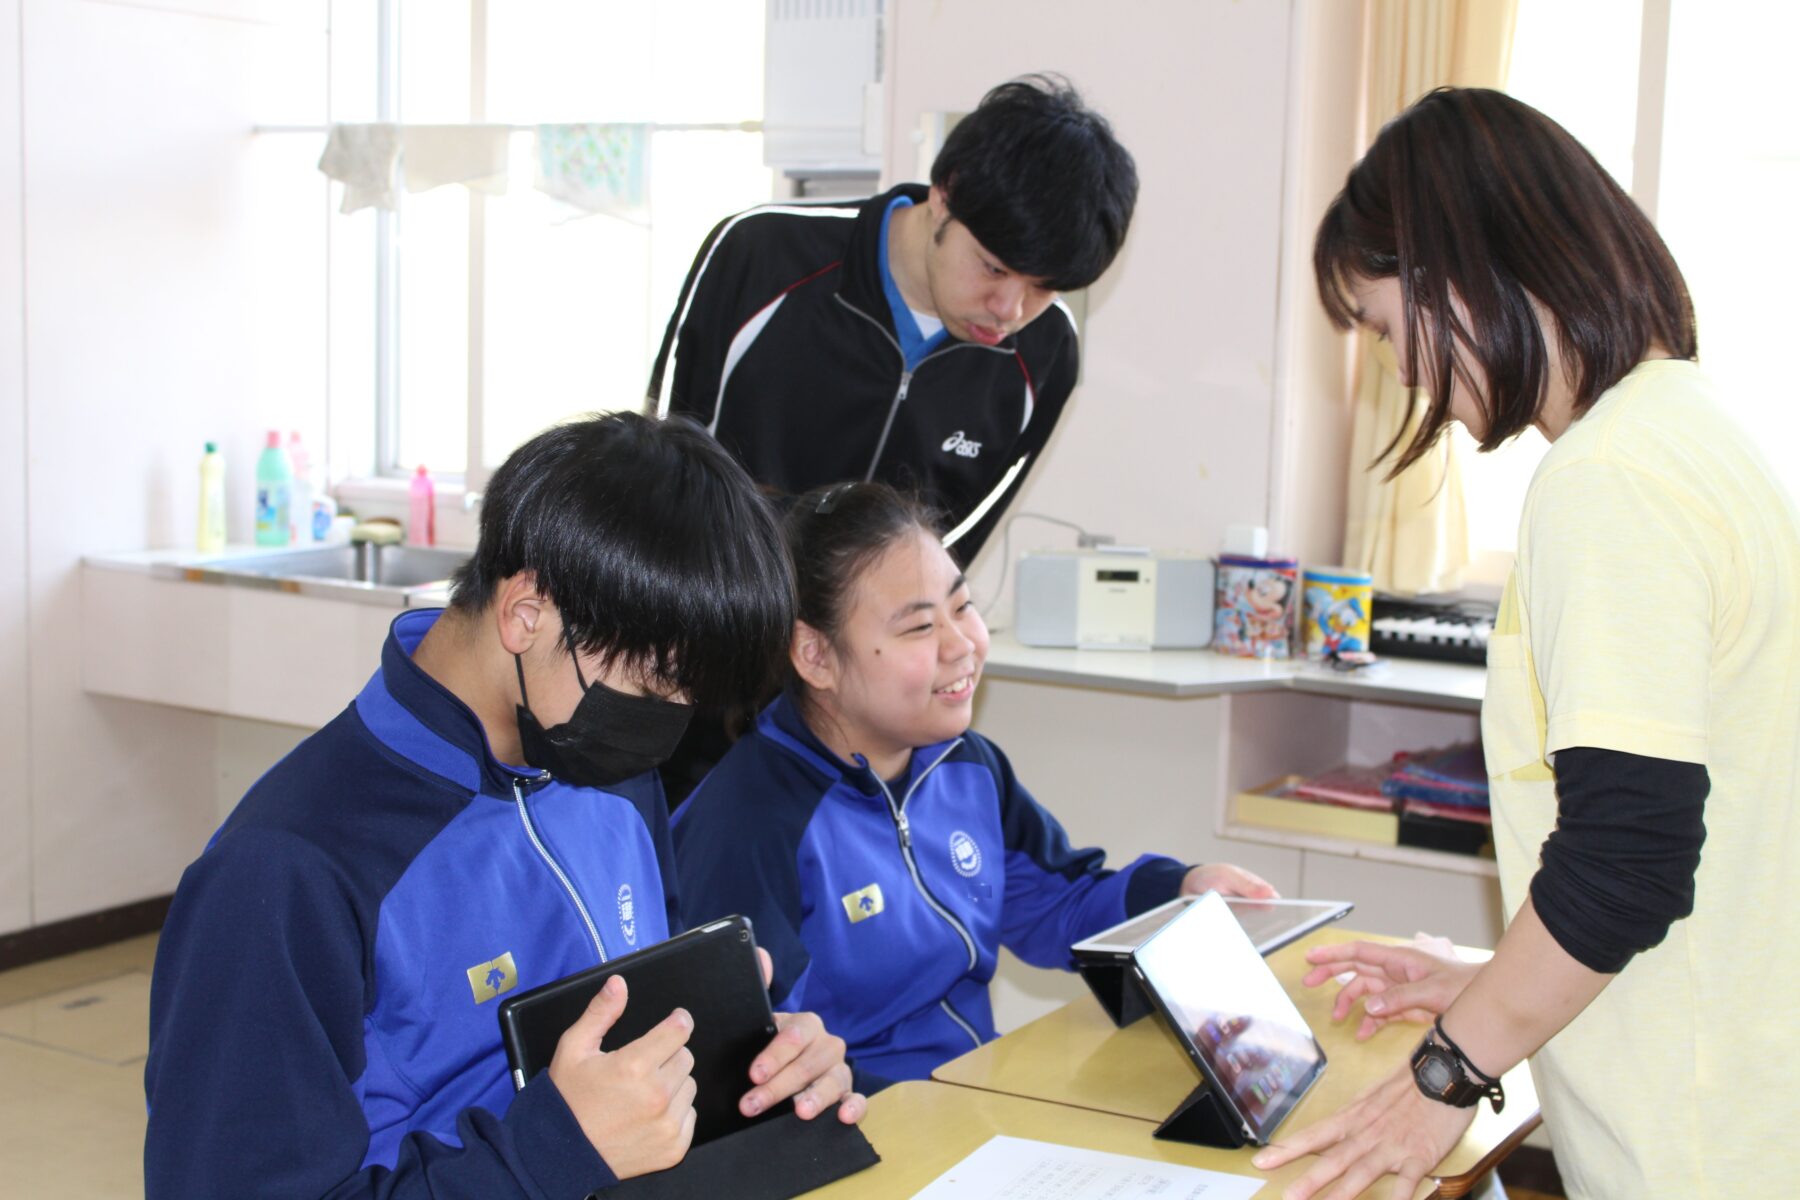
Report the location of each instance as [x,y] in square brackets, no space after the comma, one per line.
[609,738]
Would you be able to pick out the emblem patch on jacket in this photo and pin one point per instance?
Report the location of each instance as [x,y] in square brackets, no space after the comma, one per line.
[627,915]
[864,903]
[965,855]
[490,979]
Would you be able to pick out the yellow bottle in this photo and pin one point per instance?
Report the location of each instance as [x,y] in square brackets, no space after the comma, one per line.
[211,538]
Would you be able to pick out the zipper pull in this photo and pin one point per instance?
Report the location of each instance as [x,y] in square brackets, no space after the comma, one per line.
[905,383]
[905,830]
[522,786]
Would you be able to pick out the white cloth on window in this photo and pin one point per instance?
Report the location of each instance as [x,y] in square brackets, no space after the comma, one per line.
[365,159]
[373,160]
[597,168]
[472,155]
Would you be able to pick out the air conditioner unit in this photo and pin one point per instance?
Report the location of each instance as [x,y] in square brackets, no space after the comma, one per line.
[822,94]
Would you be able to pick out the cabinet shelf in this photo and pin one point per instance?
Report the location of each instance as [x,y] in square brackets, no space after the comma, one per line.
[1410,856]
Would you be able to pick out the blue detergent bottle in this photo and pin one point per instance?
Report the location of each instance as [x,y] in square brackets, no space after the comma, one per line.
[274,494]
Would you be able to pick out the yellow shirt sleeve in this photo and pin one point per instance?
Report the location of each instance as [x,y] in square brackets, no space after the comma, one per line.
[1618,590]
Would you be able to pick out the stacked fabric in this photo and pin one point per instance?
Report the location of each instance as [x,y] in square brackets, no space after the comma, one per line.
[1450,783]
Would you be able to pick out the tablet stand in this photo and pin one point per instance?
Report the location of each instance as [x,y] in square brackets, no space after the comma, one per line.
[1117,990]
[1202,1121]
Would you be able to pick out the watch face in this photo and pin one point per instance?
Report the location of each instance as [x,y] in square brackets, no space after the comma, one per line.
[1435,1073]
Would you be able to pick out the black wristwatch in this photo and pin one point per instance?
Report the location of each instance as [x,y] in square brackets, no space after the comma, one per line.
[1444,1073]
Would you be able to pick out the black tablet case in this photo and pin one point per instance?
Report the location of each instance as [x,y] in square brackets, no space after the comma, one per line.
[1115,986]
[774,1161]
[711,971]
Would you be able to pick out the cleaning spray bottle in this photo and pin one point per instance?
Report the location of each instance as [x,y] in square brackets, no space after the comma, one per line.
[421,519]
[300,493]
[211,538]
[274,493]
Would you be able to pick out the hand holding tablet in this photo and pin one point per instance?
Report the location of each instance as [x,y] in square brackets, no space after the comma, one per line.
[708,977]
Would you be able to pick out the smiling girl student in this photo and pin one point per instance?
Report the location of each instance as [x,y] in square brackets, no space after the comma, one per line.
[1643,684]
[883,850]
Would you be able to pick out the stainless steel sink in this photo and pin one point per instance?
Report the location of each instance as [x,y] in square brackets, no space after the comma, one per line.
[392,576]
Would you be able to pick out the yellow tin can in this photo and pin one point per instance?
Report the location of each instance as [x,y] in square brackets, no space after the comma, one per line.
[1335,609]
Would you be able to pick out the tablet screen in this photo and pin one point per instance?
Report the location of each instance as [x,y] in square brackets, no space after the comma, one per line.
[1231,1013]
[1271,924]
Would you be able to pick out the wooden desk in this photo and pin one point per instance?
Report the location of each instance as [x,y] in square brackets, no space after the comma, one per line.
[1076,1057]
[922,1129]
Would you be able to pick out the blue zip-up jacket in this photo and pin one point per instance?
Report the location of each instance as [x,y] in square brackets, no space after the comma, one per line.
[884,905]
[322,1010]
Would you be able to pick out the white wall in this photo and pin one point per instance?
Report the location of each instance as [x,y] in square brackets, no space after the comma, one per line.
[1311,425]
[172,291]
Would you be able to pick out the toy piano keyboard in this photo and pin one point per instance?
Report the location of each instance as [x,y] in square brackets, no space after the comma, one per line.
[1450,632]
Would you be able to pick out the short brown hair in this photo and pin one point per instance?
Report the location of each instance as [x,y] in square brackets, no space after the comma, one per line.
[1472,193]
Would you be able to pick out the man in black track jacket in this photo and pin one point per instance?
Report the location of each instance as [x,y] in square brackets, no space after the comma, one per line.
[915,337]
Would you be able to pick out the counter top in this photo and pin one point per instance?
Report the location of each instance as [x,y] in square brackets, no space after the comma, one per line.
[1186,673]
[191,566]
[1172,673]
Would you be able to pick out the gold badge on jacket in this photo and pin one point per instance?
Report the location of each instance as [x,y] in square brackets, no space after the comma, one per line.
[490,979]
[864,903]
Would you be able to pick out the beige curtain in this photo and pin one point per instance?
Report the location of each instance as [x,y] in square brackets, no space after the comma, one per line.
[1413,534]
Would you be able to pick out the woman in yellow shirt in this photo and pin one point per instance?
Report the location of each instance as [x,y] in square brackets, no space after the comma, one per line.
[1642,719]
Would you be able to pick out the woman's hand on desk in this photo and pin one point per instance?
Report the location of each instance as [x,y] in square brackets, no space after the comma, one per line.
[1394,983]
[1391,1129]
[1227,880]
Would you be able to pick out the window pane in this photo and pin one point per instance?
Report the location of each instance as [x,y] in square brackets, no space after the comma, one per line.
[1577,62]
[565,316]
[572,62]
[433,338]
[576,304]
[1730,190]
[709,61]
[434,61]
[696,180]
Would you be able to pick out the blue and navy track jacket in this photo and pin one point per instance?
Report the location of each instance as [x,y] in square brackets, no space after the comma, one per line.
[885,905]
[322,1010]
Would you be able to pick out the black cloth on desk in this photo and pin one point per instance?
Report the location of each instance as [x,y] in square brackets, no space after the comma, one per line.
[1618,869]
[769,1161]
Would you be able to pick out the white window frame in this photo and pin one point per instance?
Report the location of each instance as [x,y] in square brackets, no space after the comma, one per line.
[379,484]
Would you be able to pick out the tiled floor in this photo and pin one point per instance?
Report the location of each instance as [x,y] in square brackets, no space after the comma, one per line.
[73,1035]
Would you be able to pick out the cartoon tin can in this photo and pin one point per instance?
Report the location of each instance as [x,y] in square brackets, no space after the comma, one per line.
[1335,607]
[1254,606]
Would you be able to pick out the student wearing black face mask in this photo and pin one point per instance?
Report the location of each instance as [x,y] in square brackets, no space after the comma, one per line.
[610,737]
[483,818]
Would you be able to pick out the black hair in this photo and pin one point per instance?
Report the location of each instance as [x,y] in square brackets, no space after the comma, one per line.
[1472,193]
[653,544]
[1039,180]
